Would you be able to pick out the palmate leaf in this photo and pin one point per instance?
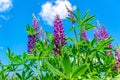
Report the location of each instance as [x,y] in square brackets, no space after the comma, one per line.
[55,71]
[78,71]
[66,64]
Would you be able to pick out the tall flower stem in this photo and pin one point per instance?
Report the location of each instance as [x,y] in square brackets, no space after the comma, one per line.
[72,16]
[75,32]
[78,59]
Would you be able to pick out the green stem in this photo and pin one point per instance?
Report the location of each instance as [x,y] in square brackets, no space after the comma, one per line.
[75,33]
[78,59]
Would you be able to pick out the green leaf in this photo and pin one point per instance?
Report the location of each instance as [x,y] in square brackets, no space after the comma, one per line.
[117,77]
[76,18]
[50,36]
[19,76]
[51,46]
[71,19]
[78,12]
[29,75]
[103,43]
[55,71]
[78,71]
[23,75]
[30,30]
[89,26]
[72,28]
[66,64]
[92,79]
[93,42]
[8,52]
[86,14]
[89,19]
[70,39]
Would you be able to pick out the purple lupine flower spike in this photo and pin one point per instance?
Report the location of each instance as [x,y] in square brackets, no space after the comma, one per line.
[33,38]
[59,36]
[101,33]
[117,59]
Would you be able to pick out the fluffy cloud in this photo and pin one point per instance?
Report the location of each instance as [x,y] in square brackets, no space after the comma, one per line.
[5,5]
[50,9]
[4,17]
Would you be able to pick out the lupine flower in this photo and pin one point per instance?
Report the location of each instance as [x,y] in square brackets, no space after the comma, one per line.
[101,33]
[84,35]
[31,42]
[33,38]
[117,59]
[59,36]
[115,67]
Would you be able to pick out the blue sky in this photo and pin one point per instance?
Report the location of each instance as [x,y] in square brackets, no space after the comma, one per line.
[18,13]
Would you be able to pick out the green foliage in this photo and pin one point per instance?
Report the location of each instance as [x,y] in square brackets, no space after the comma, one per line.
[30,30]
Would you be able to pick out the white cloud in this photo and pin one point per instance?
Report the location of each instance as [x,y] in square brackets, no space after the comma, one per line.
[4,17]
[5,5]
[49,10]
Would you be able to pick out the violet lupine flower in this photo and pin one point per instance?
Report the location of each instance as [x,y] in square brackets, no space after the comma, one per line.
[115,67]
[117,59]
[35,25]
[33,38]
[97,34]
[101,33]
[117,54]
[84,35]
[59,36]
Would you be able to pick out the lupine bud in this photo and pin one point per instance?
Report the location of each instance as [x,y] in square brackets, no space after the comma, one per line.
[70,14]
[59,36]
[115,67]
[84,35]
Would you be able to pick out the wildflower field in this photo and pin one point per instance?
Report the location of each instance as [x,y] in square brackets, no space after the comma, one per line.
[57,56]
